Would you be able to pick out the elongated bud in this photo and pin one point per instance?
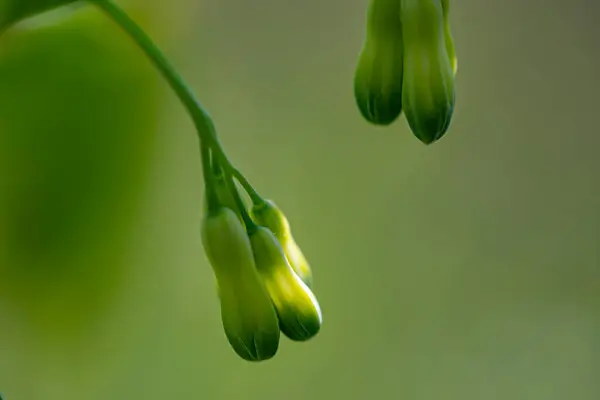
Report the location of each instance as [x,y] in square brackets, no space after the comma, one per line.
[297,307]
[448,36]
[249,318]
[12,11]
[270,216]
[378,76]
[428,87]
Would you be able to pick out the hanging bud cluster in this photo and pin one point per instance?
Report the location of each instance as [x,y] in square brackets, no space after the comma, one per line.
[264,282]
[408,63]
[263,279]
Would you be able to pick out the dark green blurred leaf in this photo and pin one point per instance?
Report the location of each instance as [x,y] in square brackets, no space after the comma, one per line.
[77,124]
[12,11]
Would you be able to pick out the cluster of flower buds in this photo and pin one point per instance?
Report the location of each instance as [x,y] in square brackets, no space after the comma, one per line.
[408,63]
[263,279]
[264,283]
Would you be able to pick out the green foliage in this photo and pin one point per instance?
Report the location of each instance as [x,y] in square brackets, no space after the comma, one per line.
[77,120]
[12,11]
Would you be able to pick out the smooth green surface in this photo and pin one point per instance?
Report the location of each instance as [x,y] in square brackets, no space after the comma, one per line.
[428,84]
[13,11]
[378,75]
[466,270]
[297,308]
[248,314]
[74,149]
[269,215]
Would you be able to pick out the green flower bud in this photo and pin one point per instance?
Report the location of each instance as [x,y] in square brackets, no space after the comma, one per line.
[249,318]
[297,307]
[12,11]
[428,88]
[270,216]
[378,76]
[448,36]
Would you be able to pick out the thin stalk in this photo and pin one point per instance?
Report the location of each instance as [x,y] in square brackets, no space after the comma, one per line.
[202,121]
[212,202]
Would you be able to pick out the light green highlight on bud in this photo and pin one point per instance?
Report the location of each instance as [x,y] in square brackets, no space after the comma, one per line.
[297,307]
[267,214]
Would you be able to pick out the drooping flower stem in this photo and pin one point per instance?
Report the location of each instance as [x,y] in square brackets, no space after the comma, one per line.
[202,121]
[212,201]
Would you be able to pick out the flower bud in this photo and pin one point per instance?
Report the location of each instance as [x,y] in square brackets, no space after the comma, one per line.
[297,307]
[249,318]
[270,216]
[428,87]
[378,76]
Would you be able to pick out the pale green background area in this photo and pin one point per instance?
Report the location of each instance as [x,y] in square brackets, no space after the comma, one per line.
[465,270]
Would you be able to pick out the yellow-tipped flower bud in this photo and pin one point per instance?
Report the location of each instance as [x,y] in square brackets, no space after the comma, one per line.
[249,317]
[428,86]
[378,76]
[267,214]
[297,307]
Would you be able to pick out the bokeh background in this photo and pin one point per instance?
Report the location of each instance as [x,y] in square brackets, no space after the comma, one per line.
[467,270]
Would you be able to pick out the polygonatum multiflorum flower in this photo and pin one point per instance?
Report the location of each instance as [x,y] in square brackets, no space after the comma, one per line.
[263,280]
[254,257]
[408,64]
[247,312]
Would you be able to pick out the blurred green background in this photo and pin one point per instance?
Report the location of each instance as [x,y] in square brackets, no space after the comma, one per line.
[466,270]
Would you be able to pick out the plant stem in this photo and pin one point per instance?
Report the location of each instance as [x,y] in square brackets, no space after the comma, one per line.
[248,222]
[203,122]
[254,196]
[212,202]
[218,173]
[200,116]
